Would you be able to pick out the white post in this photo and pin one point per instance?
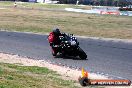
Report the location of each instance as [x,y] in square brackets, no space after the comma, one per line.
[77,2]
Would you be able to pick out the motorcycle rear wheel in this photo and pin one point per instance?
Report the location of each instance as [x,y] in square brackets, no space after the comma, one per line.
[53,53]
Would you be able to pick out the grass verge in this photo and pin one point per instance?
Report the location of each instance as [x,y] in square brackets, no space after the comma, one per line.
[43,5]
[15,76]
[41,21]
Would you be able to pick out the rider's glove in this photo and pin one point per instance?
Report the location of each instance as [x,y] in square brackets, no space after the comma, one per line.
[56,46]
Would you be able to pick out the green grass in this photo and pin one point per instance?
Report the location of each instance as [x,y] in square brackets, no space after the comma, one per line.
[6,3]
[40,5]
[15,76]
[33,69]
[18,76]
[43,5]
[91,25]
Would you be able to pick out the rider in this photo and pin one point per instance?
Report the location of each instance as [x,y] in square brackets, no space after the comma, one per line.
[54,40]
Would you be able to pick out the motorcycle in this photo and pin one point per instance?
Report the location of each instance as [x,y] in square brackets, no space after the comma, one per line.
[70,46]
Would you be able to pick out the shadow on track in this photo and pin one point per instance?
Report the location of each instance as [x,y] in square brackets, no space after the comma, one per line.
[69,57]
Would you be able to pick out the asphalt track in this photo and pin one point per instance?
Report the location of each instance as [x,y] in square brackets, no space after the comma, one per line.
[106,57]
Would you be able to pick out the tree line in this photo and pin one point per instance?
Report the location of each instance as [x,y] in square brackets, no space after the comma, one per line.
[98,2]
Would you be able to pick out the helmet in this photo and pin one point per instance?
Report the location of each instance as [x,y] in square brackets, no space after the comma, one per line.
[56,31]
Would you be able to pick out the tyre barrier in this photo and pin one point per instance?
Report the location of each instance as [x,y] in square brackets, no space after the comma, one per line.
[122,13]
[110,12]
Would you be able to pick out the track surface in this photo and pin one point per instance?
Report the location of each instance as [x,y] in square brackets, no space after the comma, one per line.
[114,58]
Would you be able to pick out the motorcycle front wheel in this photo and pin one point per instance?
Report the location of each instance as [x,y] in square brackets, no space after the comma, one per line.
[82,54]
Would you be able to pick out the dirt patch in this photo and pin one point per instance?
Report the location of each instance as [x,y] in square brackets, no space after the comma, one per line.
[68,73]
